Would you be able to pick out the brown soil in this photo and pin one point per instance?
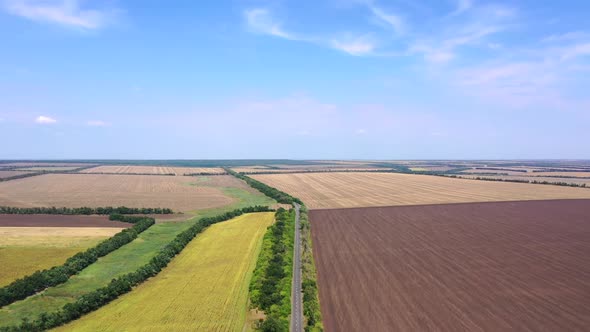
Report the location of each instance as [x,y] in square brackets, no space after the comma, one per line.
[49,220]
[510,266]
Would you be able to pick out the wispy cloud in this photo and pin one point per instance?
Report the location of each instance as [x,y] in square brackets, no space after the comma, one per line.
[260,20]
[354,46]
[63,12]
[395,21]
[568,36]
[45,120]
[97,123]
[462,6]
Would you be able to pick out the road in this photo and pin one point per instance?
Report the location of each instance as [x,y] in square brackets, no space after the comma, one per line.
[296,294]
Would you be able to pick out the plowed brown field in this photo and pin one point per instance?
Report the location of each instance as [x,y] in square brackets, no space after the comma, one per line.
[341,190]
[50,220]
[511,266]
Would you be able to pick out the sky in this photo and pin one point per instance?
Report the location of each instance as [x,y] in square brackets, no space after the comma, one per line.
[305,79]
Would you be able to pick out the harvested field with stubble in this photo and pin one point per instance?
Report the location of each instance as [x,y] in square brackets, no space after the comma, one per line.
[205,287]
[510,266]
[179,193]
[154,170]
[342,190]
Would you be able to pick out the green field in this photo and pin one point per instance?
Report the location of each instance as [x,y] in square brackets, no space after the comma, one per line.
[122,261]
[205,288]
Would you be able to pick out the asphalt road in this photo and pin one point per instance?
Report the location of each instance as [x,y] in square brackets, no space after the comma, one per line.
[296,295]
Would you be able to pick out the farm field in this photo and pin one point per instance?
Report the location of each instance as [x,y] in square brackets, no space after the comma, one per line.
[43,164]
[129,257]
[24,250]
[154,170]
[205,288]
[180,193]
[8,174]
[49,220]
[340,190]
[47,169]
[509,266]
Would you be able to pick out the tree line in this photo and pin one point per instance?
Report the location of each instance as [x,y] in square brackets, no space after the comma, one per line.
[311,302]
[123,284]
[270,288]
[84,210]
[565,184]
[40,280]
[269,191]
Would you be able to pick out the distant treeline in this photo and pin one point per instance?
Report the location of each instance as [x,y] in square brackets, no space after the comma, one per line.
[269,191]
[311,301]
[502,169]
[582,169]
[123,284]
[84,210]
[565,184]
[270,288]
[20,176]
[40,280]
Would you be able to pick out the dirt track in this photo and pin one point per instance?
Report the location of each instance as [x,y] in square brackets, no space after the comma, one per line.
[513,266]
[47,220]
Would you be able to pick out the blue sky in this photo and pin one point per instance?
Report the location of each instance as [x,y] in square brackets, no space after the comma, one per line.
[397,79]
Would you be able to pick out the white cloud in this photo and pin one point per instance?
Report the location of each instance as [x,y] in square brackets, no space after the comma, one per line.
[568,36]
[45,120]
[261,21]
[98,123]
[462,6]
[355,46]
[360,131]
[395,21]
[62,12]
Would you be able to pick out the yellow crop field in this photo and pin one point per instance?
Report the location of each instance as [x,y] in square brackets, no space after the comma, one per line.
[24,250]
[205,288]
[341,190]
[179,193]
[154,170]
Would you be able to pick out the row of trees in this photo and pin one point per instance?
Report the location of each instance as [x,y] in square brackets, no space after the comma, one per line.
[269,191]
[565,184]
[20,176]
[84,210]
[270,288]
[121,285]
[311,302]
[40,280]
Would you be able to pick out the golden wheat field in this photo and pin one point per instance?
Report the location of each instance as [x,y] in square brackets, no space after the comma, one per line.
[24,250]
[154,170]
[341,190]
[205,288]
[179,193]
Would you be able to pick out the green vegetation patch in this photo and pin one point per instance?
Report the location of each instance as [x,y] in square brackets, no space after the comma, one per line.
[270,288]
